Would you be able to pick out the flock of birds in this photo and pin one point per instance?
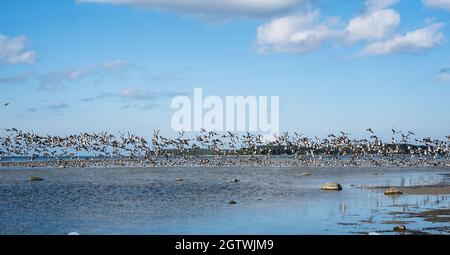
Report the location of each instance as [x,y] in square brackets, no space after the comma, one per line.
[209,148]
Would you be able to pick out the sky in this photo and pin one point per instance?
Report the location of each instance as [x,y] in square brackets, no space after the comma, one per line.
[114,65]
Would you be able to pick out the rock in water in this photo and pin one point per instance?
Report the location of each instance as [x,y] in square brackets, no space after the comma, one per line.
[179,179]
[400,228]
[393,191]
[235,180]
[232,202]
[331,186]
[36,178]
[306,174]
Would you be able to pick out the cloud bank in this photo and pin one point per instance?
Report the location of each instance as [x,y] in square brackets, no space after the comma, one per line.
[441,4]
[297,31]
[212,8]
[376,26]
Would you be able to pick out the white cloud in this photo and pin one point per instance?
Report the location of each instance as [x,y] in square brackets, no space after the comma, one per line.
[444,74]
[412,42]
[442,4]
[212,8]
[135,94]
[57,107]
[305,32]
[55,80]
[149,106]
[374,5]
[63,75]
[144,94]
[116,64]
[138,94]
[16,79]
[99,97]
[373,25]
[13,50]
[299,33]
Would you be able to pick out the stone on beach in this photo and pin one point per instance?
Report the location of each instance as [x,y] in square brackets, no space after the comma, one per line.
[36,178]
[400,228]
[331,186]
[393,191]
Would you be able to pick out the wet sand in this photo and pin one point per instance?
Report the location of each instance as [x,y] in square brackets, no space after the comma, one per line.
[437,189]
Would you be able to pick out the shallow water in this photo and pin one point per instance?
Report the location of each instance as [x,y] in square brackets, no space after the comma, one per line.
[269,200]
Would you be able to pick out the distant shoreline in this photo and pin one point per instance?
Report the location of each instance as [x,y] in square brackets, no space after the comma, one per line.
[227,161]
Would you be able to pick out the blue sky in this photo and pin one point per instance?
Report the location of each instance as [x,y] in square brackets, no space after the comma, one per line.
[108,65]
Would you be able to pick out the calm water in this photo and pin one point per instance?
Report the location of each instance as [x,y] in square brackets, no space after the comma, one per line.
[269,200]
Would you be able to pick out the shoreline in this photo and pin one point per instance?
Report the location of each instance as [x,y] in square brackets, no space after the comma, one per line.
[225,161]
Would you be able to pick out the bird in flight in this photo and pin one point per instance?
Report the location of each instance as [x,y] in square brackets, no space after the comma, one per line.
[6,105]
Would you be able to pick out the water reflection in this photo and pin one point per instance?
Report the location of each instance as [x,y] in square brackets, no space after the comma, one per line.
[269,201]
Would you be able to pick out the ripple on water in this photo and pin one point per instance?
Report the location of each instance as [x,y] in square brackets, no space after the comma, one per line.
[269,200]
